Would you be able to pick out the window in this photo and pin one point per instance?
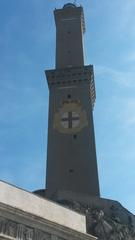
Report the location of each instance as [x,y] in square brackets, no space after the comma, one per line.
[75,136]
[71,170]
[68,96]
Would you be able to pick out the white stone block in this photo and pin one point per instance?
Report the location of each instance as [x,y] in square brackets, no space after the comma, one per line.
[32,204]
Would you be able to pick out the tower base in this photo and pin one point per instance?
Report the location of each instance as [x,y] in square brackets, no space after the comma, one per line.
[106,219]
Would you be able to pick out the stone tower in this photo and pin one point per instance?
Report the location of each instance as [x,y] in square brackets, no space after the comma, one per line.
[72,179]
[71,156]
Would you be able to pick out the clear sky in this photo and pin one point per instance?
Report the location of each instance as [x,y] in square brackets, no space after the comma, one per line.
[27,48]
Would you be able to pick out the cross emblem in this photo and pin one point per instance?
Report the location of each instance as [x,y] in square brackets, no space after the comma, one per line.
[70,119]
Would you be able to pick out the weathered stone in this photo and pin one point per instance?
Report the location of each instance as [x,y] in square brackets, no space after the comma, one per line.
[24,216]
[101,224]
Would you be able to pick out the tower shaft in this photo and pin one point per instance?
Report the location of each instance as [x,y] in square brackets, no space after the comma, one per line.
[69,37]
[71,156]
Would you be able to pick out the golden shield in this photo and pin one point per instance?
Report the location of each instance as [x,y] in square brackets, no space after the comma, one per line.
[70,118]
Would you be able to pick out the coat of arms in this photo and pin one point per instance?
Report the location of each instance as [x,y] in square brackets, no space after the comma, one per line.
[70,117]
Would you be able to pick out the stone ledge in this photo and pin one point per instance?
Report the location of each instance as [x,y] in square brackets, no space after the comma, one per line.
[18,211]
[43,208]
[5,237]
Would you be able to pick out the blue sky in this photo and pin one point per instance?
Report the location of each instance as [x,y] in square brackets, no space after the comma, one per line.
[27,48]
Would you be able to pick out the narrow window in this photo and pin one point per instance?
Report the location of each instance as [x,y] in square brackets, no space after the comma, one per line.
[75,136]
[68,96]
[71,170]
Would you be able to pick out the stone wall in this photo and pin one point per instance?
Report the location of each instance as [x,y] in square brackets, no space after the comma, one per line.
[24,216]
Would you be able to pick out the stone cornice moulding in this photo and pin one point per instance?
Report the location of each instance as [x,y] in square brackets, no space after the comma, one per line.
[13,212]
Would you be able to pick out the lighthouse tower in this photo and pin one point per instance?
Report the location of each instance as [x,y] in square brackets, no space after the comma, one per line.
[71,153]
